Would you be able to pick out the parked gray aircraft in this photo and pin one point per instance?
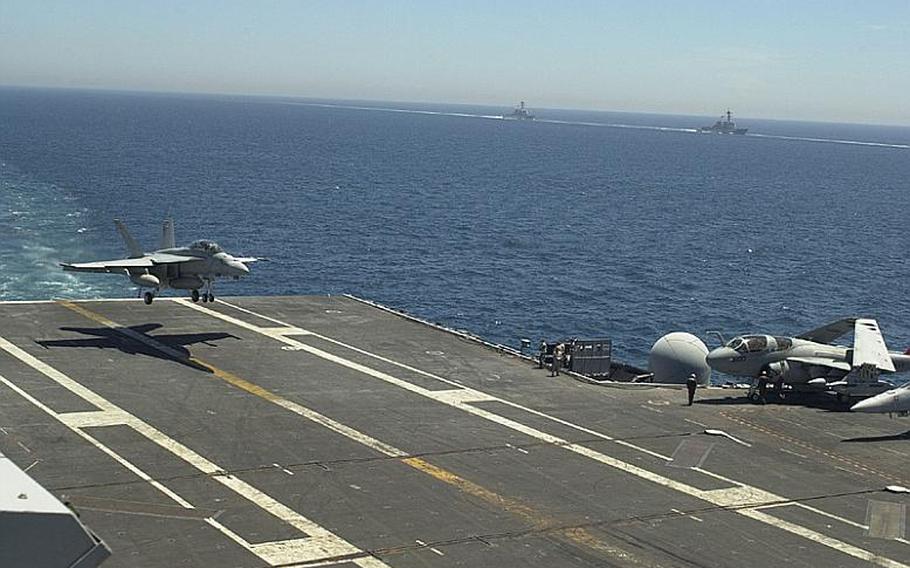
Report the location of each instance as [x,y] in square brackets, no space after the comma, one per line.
[192,267]
[894,401]
[810,363]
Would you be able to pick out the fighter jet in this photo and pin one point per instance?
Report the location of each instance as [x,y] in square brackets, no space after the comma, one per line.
[894,401]
[192,267]
[810,363]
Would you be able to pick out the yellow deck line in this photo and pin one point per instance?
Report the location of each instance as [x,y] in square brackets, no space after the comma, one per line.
[538,520]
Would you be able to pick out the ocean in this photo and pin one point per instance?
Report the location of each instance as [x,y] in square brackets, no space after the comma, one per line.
[578,224]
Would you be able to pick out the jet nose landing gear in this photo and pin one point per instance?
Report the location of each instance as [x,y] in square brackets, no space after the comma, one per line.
[194,295]
[148,297]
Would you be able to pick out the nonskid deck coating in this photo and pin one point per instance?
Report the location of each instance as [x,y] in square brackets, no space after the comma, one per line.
[322,430]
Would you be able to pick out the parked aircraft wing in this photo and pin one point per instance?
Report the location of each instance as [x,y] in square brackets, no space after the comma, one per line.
[869,346]
[108,265]
[821,362]
[829,332]
[246,259]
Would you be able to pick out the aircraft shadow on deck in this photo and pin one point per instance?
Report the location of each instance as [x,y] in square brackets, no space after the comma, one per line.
[819,401]
[883,438]
[109,338]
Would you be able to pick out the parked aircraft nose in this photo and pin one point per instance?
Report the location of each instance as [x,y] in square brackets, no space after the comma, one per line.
[883,402]
[719,358]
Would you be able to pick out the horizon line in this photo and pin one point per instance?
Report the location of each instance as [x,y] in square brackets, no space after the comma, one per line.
[421,102]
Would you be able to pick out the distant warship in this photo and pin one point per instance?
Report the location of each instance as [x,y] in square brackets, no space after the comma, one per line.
[724,126]
[520,113]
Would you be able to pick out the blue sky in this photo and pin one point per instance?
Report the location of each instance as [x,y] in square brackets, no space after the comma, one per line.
[831,60]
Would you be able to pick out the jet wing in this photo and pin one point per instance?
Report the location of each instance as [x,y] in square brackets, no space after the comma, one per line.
[248,259]
[167,258]
[108,265]
[829,332]
[120,265]
[869,346]
[822,362]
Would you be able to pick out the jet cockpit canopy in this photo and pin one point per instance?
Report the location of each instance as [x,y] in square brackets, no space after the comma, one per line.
[748,343]
[756,343]
[209,247]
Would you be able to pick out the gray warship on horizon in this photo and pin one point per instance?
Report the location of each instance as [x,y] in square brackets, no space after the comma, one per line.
[519,113]
[724,126]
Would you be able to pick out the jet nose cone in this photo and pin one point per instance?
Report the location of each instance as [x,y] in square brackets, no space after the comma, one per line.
[877,403]
[238,268]
[716,356]
[722,359]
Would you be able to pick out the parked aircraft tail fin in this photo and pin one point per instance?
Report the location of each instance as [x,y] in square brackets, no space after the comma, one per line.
[869,346]
[131,245]
[167,235]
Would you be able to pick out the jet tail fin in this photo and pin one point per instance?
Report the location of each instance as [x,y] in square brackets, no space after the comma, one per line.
[131,244]
[869,346]
[168,240]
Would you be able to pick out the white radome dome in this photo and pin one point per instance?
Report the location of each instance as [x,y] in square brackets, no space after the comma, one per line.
[677,355]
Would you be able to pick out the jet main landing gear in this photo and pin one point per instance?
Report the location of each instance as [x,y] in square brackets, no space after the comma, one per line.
[207,295]
[148,297]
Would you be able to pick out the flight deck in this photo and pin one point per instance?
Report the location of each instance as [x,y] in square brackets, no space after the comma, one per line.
[329,431]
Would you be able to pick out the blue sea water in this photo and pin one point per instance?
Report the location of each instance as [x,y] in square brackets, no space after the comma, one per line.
[577,224]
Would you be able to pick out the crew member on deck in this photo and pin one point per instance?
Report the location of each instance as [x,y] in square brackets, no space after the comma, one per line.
[762,386]
[691,385]
[558,353]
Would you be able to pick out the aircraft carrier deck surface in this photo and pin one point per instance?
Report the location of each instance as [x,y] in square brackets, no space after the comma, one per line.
[326,431]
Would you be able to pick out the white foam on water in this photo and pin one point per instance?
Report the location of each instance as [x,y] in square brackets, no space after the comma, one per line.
[397,110]
[42,229]
[601,124]
[833,141]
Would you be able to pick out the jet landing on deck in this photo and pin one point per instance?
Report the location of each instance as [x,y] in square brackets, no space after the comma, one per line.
[810,362]
[194,267]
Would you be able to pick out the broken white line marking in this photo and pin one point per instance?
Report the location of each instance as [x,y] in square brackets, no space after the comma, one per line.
[693,517]
[284,469]
[320,542]
[791,452]
[741,496]
[712,432]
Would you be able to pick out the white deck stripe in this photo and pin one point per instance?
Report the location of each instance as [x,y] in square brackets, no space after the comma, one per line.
[323,544]
[340,428]
[93,419]
[294,407]
[830,516]
[122,461]
[740,499]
